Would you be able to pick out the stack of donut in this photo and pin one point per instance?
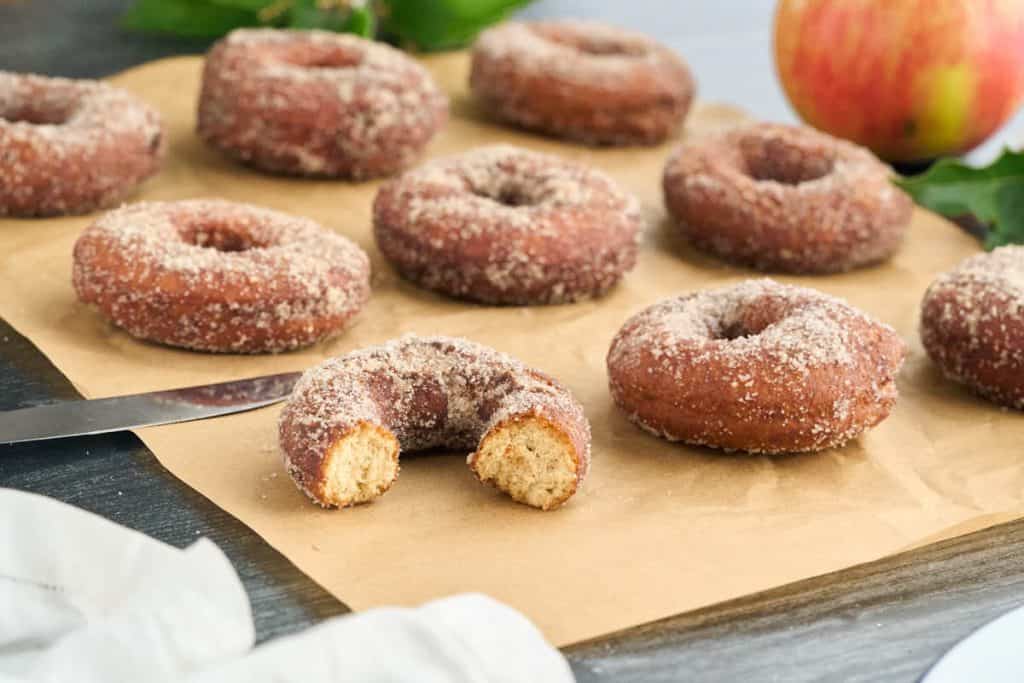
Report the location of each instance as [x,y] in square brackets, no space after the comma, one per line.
[754,366]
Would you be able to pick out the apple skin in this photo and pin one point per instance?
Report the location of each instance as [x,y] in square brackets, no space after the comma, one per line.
[910,79]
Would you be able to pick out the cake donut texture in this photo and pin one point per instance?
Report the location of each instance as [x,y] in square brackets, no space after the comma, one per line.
[503,225]
[581,80]
[786,199]
[213,275]
[317,103]
[756,366]
[972,324]
[349,418]
[72,146]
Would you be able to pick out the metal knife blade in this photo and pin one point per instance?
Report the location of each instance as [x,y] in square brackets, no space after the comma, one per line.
[98,416]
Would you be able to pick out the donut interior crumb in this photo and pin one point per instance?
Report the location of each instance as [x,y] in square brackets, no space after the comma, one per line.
[530,460]
[342,430]
[360,466]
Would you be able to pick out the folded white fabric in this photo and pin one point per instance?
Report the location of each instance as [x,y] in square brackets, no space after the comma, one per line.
[85,600]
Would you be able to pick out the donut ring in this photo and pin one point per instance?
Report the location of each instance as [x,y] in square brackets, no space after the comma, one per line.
[502,225]
[582,81]
[349,417]
[72,146]
[316,103]
[972,325]
[786,199]
[757,366]
[213,275]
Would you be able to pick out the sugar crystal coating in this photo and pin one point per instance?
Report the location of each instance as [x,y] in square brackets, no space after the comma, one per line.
[317,103]
[757,366]
[427,392]
[581,80]
[505,225]
[972,324]
[72,146]
[787,199]
[215,275]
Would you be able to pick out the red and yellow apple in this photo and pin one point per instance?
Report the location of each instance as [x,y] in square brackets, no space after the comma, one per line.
[910,79]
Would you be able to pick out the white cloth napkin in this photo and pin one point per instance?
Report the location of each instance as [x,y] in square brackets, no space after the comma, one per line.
[85,600]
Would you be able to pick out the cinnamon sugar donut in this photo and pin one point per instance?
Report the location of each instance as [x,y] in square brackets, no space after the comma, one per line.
[788,199]
[213,275]
[972,325]
[317,103]
[502,225]
[757,366]
[348,418]
[581,80]
[72,146]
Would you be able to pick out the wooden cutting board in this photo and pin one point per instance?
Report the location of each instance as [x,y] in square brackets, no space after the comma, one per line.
[657,529]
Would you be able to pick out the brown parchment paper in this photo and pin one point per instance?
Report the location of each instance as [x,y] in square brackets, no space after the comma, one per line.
[657,529]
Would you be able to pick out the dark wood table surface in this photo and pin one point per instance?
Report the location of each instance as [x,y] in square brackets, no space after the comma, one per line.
[884,621]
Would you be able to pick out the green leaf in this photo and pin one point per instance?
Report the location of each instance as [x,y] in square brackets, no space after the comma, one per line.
[1009,226]
[307,14]
[993,194]
[313,14]
[442,24]
[362,22]
[253,5]
[188,18]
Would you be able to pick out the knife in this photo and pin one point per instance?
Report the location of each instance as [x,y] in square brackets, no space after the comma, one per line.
[102,415]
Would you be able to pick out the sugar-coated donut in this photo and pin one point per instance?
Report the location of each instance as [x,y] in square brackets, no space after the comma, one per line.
[757,366]
[317,103]
[972,324]
[348,418]
[581,80]
[72,146]
[787,199]
[213,275]
[503,225]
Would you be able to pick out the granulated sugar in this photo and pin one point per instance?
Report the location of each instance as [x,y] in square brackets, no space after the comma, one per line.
[756,353]
[70,146]
[972,324]
[317,103]
[268,269]
[505,225]
[428,392]
[786,199]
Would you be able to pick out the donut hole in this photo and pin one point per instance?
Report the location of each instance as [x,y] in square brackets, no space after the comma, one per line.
[784,161]
[593,44]
[220,236]
[325,57]
[508,192]
[735,331]
[52,116]
[513,196]
[749,324]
